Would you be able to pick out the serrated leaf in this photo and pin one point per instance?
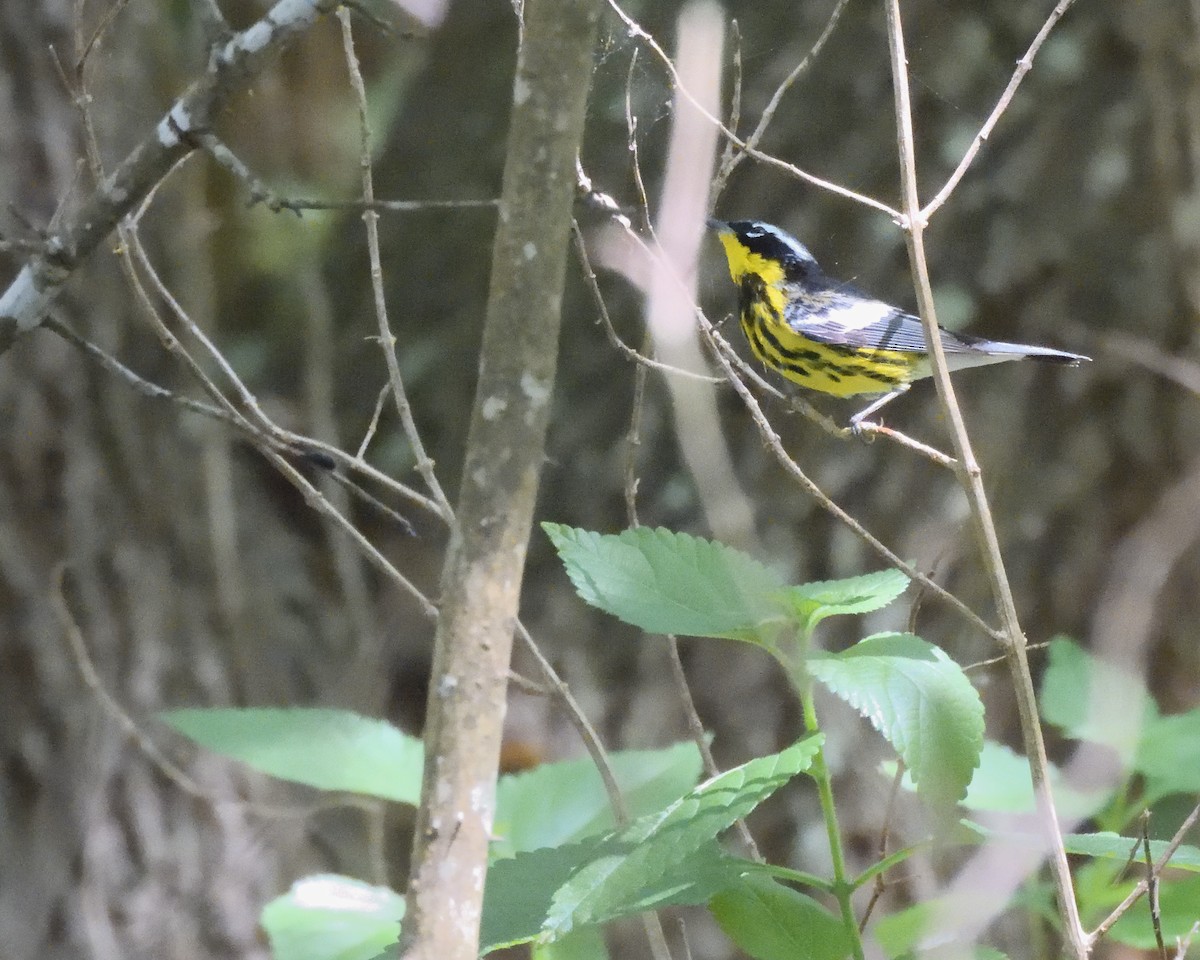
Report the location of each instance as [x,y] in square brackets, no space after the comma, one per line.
[327,749]
[644,853]
[520,890]
[560,802]
[1077,693]
[329,917]
[813,602]
[666,582]
[920,700]
[770,921]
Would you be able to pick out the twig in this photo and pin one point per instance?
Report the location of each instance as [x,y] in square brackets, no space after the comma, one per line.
[587,733]
[374,424]
[682,689]
[387,341]
[384,206]
[77,647]
[626,351]
[1185,943]
[87,670]
[83,50]
[1152,887]
[731,160]
[1023,67]
[930,453]
[1142,886]
[991,662]
[970,476]
[232,64]
[261,193]
[728,151]
[637,31]
[878,886]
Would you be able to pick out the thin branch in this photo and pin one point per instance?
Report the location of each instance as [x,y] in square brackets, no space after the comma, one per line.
[382,206]
[1185,943]
[638,32]
[930,453]
[1142,886]
[232,65]
[729,151]
[1023,67]
[626,351]
[587,733]
[970,476]
[369,435]
[879,885]
[1152,887]
[731,160]
[261,193]
[387,341]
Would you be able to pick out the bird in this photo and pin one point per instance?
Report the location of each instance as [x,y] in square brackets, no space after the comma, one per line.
[830,337]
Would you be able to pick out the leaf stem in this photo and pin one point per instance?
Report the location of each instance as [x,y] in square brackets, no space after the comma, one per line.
[802,682]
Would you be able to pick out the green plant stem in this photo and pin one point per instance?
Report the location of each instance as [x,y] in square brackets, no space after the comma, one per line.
[842,889]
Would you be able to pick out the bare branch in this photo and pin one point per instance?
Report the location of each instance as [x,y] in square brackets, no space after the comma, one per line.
[1143,885]
[1023,67]
[636,30]
[970,476]
[387,341]
[731,159]
[231,65]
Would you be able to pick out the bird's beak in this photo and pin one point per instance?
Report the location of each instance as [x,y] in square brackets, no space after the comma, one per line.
[714,224]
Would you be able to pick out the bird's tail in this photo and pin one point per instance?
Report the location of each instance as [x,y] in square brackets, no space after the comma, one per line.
[1023,351]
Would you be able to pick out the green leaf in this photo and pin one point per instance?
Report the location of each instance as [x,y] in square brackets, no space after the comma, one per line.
[770,921]
[520,890]
[644,853]
[813,602]
[666,582]
[1078,691]
[329,917]
[587,943]
[559,802]
[1179,902]
[1116,848]
[920,700]
[327,749]
[1002,784]
[900,933]
[1169,755]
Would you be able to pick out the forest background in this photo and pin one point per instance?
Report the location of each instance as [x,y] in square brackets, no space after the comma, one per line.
[199,577]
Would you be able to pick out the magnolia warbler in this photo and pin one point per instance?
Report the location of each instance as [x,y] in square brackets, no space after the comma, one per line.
[828,336]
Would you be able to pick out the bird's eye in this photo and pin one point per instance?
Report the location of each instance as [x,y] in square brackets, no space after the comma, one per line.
[755,232]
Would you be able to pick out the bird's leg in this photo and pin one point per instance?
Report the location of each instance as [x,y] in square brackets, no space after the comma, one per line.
[874,405]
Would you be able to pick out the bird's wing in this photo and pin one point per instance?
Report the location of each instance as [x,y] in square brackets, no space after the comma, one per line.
[841,318]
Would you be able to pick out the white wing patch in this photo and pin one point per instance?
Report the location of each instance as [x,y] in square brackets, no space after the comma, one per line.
[863,313]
